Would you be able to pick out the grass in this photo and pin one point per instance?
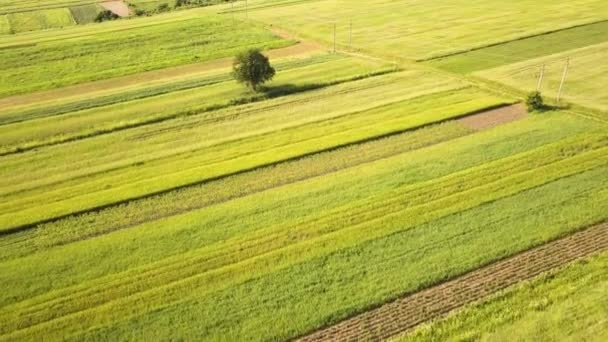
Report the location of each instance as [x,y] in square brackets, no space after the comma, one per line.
[85,14]
[228,142]
[140,45]
[80,227]
[585,83]
[40,20]
[524,49]
[409,29]
[570,303]
[16,6]
[5,26]
[287,250]
[215,89]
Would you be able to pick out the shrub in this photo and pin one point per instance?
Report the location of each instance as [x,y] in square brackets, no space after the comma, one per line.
[252,68]
[105,16]
[535,102]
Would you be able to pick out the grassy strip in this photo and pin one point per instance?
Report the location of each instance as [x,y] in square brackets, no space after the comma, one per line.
[389,190]
[586,80]
[230,154]
[216,161]
[567,303]
[524,49]
[62,62]
[216,92]
[410,30]
[337,251]
[143,89]
[80,227]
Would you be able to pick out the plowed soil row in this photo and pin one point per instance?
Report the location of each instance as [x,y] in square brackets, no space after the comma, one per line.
[405,313]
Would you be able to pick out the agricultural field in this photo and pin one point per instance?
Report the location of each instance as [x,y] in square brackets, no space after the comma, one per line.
[391,186]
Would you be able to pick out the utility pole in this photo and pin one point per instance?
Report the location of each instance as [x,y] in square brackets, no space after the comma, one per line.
[540,78]
[334,37]
[350,35]
[561,85]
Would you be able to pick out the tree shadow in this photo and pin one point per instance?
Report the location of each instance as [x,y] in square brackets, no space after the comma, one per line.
[287,89]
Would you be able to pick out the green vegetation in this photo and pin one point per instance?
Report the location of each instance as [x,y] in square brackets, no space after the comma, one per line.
[85,14]
[524,49]
[40,20]
[271,131]
[586,80]
[146,195]
[266,250]
[252,68]
[94,55]
[567,304]
[534,102]
[411,30]
[210,91]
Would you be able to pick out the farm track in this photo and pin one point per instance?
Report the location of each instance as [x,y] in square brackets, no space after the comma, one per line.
[403,314]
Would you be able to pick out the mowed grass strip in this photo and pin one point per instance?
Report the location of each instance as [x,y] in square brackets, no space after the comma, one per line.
[567,303]
[85,226]
[585,83]
[216,91]
[39,20]
[85,14]
[423,30]
[524,49]
[5,26]
[221,154]
[344,245]
[319,204]
[130,48]
[14,6]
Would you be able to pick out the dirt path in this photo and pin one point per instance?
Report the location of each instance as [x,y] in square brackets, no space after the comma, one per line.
[405,313]
[299,50]
[495,117]
[117,7]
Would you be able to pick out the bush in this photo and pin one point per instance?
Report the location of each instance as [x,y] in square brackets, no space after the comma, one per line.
[252,68]
[535,102]
[105,16]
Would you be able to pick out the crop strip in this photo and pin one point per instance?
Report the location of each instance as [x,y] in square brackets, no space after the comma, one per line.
[405,313]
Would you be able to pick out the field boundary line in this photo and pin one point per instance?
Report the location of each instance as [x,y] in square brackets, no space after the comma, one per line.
[28,226]
[510,41]
[403,314]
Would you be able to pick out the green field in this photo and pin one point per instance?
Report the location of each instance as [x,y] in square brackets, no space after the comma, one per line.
[85,14]
[406,29]
[586,79]
[146,195]
[40,20]
[568,304]
[525,49]
[90,54]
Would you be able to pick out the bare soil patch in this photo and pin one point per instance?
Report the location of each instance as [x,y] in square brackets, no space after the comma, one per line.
[495,117]
[403,314]
[117,7]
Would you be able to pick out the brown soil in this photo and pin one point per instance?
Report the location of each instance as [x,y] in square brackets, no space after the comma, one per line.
[405,313]
[495,117]
[117,7]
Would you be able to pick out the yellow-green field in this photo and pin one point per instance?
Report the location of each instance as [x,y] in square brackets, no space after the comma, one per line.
[146,195]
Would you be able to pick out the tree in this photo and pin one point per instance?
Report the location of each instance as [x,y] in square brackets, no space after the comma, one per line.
[252,68]
[535,102]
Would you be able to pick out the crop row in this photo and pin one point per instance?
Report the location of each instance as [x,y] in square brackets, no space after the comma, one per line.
[322,235]
[222,147]
[85,226]
[86,57]
[217,91]
[410,30]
